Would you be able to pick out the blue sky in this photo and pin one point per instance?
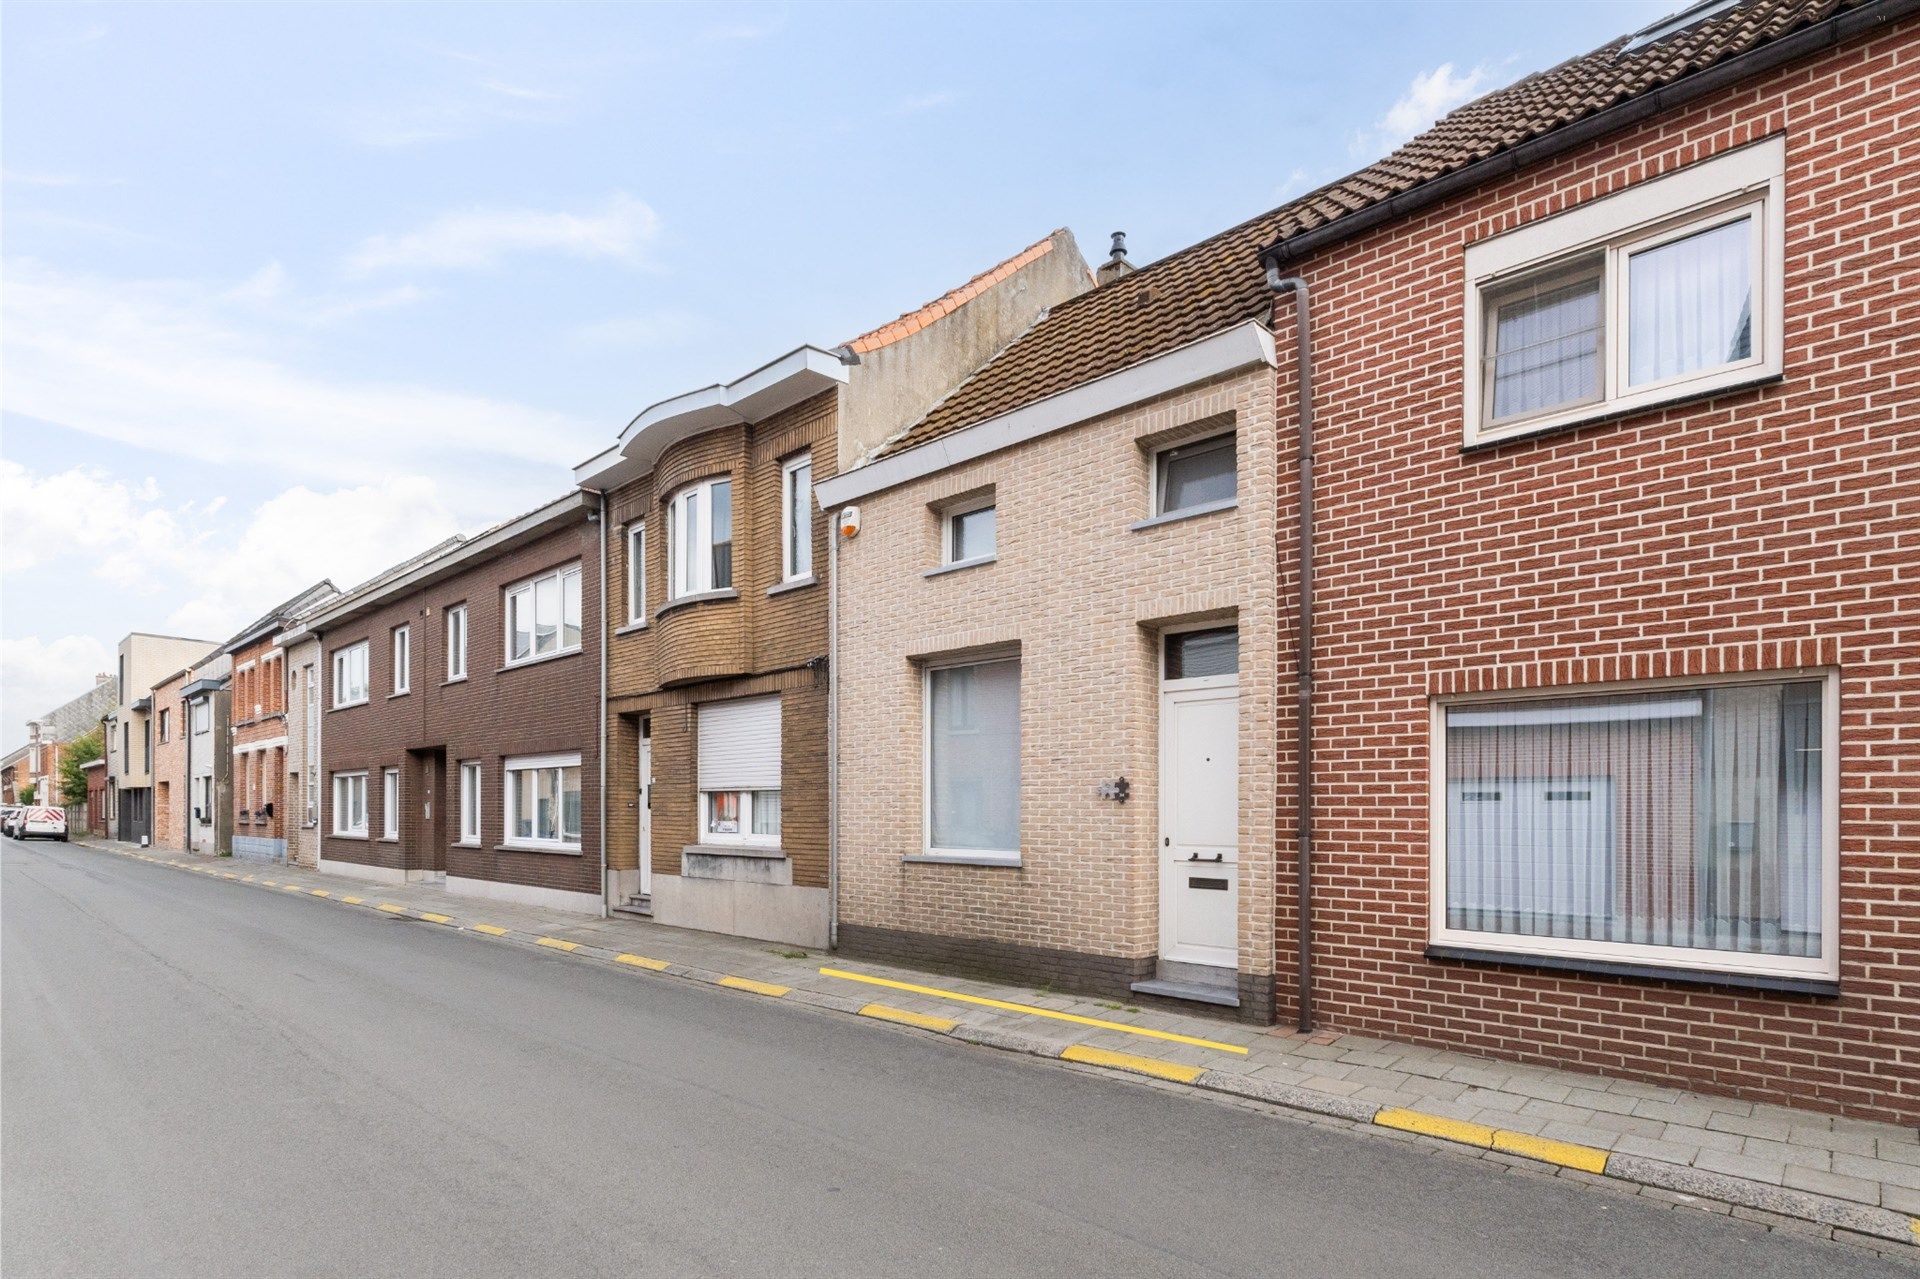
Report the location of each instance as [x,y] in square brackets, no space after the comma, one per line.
[293,291]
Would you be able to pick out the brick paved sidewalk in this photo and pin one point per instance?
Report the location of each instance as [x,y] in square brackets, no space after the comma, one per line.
[1849,1179]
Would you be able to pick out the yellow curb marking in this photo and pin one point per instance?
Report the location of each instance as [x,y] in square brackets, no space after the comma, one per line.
[320,892]
[432,918]
[1913,1224]
[557,944]
[271,883]
[1565,1153]
[490,930]
[1436,1126]
[246,879]
[1031,1011]
[291,888]
[924,1021]
[391,909]
[641,961]
[227,874]
[766,988]
[1138,1065]
[354,901]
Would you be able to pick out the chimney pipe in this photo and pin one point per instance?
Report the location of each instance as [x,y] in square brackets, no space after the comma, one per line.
[1116,264]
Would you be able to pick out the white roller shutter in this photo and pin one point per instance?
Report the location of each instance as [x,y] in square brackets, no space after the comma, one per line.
[740,744]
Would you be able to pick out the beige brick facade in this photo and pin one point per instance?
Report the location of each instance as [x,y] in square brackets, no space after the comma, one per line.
[1084,598]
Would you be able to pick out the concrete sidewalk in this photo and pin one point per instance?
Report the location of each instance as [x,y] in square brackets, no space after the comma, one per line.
[1846,1179]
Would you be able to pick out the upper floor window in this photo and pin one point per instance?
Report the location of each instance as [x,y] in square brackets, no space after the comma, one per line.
[1195,477]
[700,539]
[796,518]
[350,674]
[1669,289]
[402,659]
[166,734]
[457,642]
[543,615]
[637,574]
[970,534]
[200,718]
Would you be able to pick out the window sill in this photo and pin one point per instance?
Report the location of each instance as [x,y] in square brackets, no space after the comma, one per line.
[977,561]
[405,692]
[1612,411]
[1186,513]
[536,661]
[452,680]
[515,846]
[466,843]
[703,597]
[1653,972]
[632,628]
[388,839]
[346,706]
[963,859]
[348,835]
[794,584]
[766,852]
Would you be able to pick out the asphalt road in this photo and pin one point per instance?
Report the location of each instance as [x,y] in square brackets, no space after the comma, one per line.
[199,1079]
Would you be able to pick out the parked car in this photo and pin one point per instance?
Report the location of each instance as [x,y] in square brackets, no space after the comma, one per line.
[49,823]
[7,814]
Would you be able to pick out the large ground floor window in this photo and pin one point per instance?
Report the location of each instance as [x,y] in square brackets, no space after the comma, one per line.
[739,771]
[543,802]
[1686,826]
[349,804]
[973,761]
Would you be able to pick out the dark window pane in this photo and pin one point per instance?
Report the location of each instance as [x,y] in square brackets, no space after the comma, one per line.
[1196,474]
[1194,654]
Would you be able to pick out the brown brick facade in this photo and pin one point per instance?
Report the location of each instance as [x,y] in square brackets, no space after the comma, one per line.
[1764,529]
[546,707]
[767,638]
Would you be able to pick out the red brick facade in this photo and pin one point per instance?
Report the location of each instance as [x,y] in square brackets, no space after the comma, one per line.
[1764,529]
[259,791]
[497,712]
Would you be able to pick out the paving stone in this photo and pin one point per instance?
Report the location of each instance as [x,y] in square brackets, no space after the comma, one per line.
[1580,1135]
[1598,1099]
[1653,1148]
[1827,1183]
[1312,1100]
[1900,1152]
[1802,1156]
[1901,1199]
[1494,1099]
[1826,1138]
[1771,1171]
[1773,1128]
[1337,1087]
[1883,1170]
[1704,1138]
[1674,1112]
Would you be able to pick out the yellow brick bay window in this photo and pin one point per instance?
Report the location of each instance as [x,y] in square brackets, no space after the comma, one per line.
[1679,825]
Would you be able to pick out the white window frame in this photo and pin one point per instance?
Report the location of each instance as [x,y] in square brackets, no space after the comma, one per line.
[340,656]
[472,794]
[952,513]
[637,573]
[1748,181]
[390,804]
[402,660]
[693,506]
[747,836]
[455,626]
[796,519]
[978,856]
[533,843]
[343,808]
[529,587]
[1824,967]
[1158,459]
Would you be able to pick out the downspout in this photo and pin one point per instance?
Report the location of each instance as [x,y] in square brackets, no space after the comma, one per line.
[833,737]
[606,891]
[1303,661]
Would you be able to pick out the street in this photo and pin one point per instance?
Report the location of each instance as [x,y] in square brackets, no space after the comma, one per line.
[203,1079]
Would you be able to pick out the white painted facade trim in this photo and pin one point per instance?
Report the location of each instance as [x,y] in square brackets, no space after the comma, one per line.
[524,894]
[1249,342]
[247,748]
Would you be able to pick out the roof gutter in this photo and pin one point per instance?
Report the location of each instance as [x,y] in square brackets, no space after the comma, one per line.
[1841,28]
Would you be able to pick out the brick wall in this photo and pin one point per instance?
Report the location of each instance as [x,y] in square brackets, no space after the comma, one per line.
[766,641]
[1082,595]
[171,798]
[259,793]
[497,712]
[1762,529]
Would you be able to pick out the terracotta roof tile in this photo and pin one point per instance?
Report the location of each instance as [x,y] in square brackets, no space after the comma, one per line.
[1219,282]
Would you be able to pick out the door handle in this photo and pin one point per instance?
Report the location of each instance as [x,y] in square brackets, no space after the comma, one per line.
[1217,857]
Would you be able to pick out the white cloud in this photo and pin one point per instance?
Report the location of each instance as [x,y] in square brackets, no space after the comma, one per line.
[37,675]
[300,536]
[1431,95]
[926,101]
[48,519]
[175,368]
[620,230]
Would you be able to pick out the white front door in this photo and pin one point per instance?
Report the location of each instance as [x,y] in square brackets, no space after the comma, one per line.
[1200,821]
[646,815]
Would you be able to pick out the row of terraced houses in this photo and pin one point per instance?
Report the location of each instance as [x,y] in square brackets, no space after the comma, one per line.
[1476,603]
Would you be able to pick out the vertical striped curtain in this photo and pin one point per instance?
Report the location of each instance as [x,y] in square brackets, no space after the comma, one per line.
[1687,819]
[1546,347]
[1690,304]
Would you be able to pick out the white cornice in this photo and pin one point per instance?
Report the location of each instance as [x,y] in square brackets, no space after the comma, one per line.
[1245,344]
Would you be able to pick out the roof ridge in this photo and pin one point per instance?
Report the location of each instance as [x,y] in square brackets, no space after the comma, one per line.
[910,322]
